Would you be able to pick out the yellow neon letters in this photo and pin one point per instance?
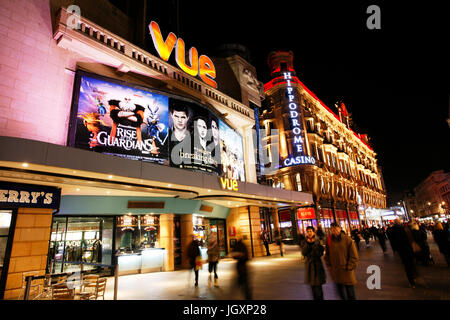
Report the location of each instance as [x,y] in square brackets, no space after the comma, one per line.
[202,66]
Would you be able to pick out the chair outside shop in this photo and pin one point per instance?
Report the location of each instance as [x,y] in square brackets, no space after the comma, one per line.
[62,292]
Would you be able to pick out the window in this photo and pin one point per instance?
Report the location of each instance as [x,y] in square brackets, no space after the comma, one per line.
[298,180]
[328,157]
[5,223]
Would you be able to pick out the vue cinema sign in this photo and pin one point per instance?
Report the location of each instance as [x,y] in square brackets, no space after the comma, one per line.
[202,65]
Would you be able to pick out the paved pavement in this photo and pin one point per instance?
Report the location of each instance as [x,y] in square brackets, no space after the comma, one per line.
[281,278]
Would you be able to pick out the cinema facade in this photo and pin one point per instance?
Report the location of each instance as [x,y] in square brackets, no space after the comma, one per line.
[95,164]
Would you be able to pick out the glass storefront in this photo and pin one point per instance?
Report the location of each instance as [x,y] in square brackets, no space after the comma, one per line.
[303,224]
[218,229]
[5,223]
[286,225]
[76,240]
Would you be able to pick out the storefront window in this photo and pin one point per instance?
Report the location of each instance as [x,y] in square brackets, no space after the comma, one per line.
[77,240]
[200,230]
[5,222]
[218,229]
[134,233]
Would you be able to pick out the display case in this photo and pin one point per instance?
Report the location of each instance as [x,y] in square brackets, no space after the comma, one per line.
[137,244]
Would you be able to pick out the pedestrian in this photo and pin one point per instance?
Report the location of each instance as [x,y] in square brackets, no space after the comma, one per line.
[441,237]
[420,237]
[213,258]
[373,232]
[278,241]
[389,236]
[401,242]
[381,234]
[366,235]
[312,251]
[240,253]
[341,258]
[265,239]
[356,237]
[320,232]
[194,257]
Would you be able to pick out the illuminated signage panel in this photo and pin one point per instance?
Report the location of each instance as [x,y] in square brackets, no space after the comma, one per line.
[298,155]
[202,65]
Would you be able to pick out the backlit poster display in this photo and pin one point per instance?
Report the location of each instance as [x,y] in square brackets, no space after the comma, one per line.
[193,137]
[121,120]
[232,152]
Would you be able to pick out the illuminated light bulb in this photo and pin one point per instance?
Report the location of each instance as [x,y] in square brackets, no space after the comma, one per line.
[25,165]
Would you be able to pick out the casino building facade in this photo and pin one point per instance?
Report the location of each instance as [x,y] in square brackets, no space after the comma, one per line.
[318,153]
[111,155]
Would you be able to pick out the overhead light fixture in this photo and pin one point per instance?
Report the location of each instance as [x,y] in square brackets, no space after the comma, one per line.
[169,185]
[110,176]
[108,192]
[78,189]
[25,165]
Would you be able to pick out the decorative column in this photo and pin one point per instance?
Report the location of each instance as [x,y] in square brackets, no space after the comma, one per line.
[187,231]
[166,238]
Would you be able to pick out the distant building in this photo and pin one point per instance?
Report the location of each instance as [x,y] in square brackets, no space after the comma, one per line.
[432,196]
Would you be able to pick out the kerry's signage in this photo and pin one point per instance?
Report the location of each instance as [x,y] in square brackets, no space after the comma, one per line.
[298,155]
[13,195]
[202,65]
[229,184]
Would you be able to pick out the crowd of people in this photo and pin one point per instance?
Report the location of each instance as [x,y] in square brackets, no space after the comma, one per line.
[339,253]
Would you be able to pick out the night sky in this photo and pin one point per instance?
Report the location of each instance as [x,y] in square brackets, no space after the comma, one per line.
[394,81]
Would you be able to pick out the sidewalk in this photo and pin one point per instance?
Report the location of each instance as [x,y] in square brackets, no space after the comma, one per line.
[281,278]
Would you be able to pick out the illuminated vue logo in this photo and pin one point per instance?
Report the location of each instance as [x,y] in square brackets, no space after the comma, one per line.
[202,65]
[298,156]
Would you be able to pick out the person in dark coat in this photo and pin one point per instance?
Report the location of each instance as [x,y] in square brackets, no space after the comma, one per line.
[342,258]
[403,246]
[312,251]
[265,240]
[366,235]
[193,254]
[355,236]
[389,236]
[442,239]
[420,237]
[278,241]
[381,234]
[213,257]
[240,253]
[320,232]
[374,232]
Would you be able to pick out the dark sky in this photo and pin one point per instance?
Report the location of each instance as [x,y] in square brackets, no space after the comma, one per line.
[394,81]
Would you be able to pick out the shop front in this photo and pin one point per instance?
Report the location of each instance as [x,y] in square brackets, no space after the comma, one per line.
[326,219]
[306,217]
[354,219]
[342,220]
[286,231]
[25,221]
[139,240]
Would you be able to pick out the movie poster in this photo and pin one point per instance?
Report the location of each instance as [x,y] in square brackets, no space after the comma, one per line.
[122,121]
[193,137]
[232,153]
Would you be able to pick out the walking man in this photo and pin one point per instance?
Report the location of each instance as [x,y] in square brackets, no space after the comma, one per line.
[342,258]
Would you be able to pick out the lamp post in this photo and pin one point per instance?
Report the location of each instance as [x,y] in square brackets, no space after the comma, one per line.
[408,217]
